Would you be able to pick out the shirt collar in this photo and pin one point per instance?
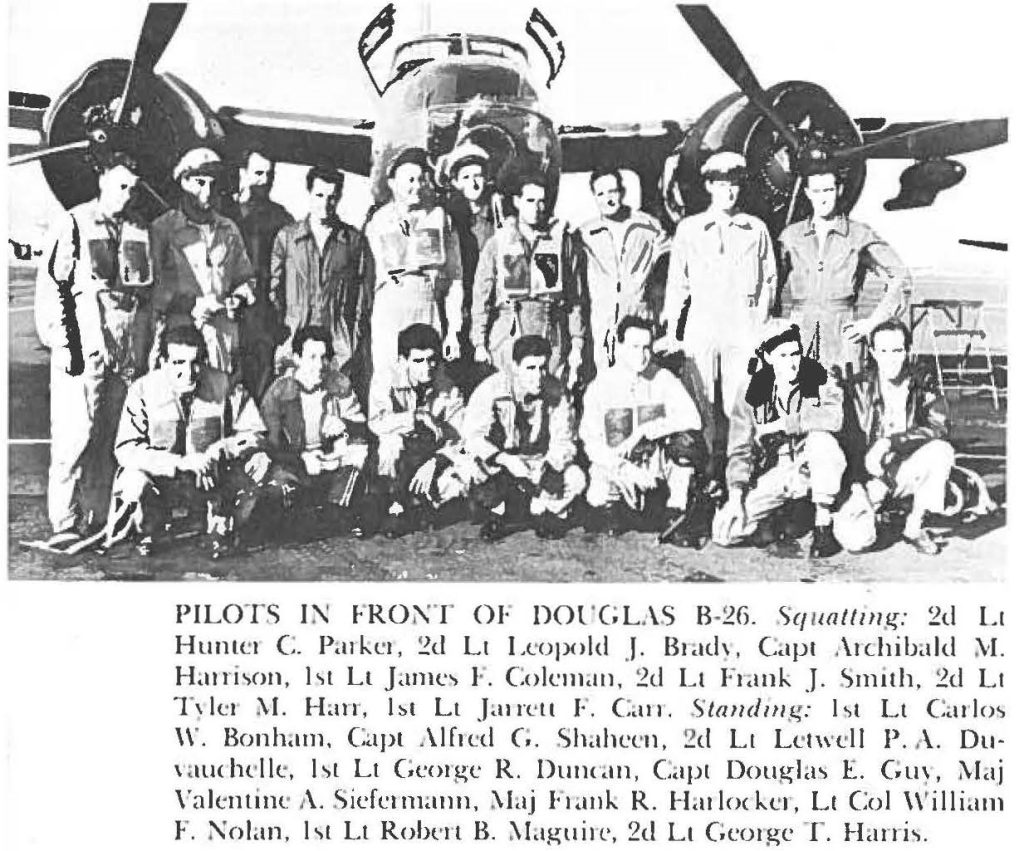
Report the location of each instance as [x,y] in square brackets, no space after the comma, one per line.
[837,224]
[735,220]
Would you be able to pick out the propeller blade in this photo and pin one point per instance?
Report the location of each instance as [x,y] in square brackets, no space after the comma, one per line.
[936,140]
[723,49]
[162,20]
[39,153]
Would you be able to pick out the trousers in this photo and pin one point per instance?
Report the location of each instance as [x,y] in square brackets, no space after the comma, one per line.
[816,468]
[921,477]
[84,413]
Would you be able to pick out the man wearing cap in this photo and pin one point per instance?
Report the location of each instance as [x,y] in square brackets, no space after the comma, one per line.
[825,260]
[526,285]
[721,285]
[203,272]
[782,442]
[469,204]
[619,251]
[259,219]
[92,290]
[520,428]
[415,268]
[472,215]
[316,274]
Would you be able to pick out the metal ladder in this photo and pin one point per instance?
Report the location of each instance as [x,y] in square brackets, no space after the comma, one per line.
[965,321]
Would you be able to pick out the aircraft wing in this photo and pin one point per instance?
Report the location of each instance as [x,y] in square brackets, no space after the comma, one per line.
[303,139]
[25,118]
[926,139]
[638,147]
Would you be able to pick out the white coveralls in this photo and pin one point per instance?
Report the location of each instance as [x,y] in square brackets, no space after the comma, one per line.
[726,267]
[103,270]
[414,262]
[615,404]
[618,258]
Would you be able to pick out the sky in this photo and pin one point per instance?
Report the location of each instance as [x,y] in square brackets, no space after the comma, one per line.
[625,62]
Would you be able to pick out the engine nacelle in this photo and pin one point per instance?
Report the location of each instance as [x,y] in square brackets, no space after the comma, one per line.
[174,119]
[734,124]
[922,181]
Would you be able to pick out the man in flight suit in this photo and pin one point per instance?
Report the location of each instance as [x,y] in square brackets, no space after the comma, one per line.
[316,274]
[825,260]
[316,434]
[470,204]
[203,273]
[415,268]
[526,286]
[519,426]
[93,285]
[641,431]
[619,251]
[190,439]
[259,220]
[721,285]
[416,413]
[782,443]
[897,436]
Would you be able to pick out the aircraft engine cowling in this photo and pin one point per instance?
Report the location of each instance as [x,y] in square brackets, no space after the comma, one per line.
[174,119]
[734,124]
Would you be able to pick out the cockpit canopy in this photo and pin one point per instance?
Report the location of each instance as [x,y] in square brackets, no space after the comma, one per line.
[464,68]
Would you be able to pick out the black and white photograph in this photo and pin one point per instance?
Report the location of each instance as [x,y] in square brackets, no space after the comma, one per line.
[519,292]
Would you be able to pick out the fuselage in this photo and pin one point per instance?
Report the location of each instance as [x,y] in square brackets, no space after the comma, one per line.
[475,89]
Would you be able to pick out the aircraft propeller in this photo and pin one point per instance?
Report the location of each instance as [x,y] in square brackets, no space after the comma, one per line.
[114,124]
[919,142]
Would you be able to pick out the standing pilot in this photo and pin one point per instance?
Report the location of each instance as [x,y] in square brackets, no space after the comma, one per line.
[259,219]
[316,272]
[825,260]
[619,251]
[203,273]
[91,290]
[525,286]
[721,285]
[415,268]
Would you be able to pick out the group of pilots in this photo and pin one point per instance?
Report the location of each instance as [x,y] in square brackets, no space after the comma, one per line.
[458,354]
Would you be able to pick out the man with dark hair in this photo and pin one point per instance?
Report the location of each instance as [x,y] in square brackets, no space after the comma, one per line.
[203,272]
[416,271]
[92,294]
[519,427]
[525,285]
[825,260]
[470,204]
[782,444]
[620,249]
[721,285]
[259,220]
[187,440]
[316,433]
[641,432]
[316,273]
[897,437]
[416,413]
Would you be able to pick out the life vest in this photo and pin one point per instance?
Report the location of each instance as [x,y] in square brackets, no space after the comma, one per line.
[531,273]
[422,248]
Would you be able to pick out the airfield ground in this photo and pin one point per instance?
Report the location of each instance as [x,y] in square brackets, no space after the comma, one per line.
[972,552]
